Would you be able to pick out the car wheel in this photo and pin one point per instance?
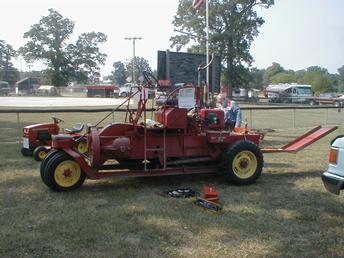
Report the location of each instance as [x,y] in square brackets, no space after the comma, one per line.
[124,95]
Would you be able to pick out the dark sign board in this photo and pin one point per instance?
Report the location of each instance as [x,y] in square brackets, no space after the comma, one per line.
[181,67]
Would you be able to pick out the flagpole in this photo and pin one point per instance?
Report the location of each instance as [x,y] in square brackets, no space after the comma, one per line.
[207,48]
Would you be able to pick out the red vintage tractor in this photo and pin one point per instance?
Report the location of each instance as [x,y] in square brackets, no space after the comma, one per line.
[37,138]
[184,139]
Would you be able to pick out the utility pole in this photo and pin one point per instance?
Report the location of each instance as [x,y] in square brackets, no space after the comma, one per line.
[133,39]
[207,51]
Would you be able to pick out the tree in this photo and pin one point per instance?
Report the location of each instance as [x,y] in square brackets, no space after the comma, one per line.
[272,70]
[47,41]
[119,74]
[7,71]
[283,77]
[86,57]
[341,79]
[141,65]
[256,81]
[320,82]
[233,24]
[317,69]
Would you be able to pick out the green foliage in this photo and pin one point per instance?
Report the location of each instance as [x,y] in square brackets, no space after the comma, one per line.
[119,73]
[256,80]
[233,24]
[7,71]
[320,82]
[272,70]
[141,64]
[283,77]
[47,41]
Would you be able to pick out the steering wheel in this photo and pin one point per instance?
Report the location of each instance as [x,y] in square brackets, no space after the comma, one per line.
[57,120]
[150,78]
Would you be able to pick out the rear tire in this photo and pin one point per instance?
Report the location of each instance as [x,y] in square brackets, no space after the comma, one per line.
[40,153]
[243,163]
[62,173]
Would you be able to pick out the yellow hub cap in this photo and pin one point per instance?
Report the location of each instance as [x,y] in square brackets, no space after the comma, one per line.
[42,154]
[244,164]
[82,147]
[67,173]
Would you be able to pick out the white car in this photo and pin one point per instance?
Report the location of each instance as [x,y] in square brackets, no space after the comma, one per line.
[124,91]
[333,178]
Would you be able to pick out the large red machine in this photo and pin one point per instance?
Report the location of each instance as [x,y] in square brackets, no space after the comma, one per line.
[180,140]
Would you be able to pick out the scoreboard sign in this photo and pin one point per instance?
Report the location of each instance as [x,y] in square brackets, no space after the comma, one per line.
[181,67]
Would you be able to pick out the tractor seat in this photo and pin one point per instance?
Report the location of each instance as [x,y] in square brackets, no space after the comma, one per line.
[75,129]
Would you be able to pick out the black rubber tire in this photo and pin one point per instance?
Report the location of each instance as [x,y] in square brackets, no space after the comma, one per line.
[50,170]
[232,155]
[45,162]
[26,152]
[124,94]
[38,151]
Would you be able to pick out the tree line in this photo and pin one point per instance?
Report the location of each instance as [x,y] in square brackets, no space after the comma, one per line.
[233,25]
[319,77]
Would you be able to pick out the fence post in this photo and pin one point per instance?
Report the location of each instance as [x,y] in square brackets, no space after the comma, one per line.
[326,116]
[250,117]
[19,128]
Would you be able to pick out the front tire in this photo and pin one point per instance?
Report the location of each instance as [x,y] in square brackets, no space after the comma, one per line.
[26,152]
[45,162]
[62,173]
[40,153]
[243,163]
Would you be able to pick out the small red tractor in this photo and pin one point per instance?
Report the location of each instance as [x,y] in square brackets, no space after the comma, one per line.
[182,140]
[37,138]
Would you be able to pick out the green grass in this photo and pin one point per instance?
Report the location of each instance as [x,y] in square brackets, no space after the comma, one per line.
[286,213]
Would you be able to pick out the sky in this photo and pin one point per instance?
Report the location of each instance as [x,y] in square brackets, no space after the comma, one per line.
[297,33]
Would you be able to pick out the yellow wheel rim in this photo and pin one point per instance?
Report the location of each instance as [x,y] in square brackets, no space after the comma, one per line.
[245,164]
[42,154]
[67,173]
[82,147]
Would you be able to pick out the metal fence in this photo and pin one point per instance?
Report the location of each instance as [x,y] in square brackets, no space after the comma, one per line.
[12,121]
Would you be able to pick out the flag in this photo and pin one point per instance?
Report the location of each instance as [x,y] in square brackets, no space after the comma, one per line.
[196,4]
